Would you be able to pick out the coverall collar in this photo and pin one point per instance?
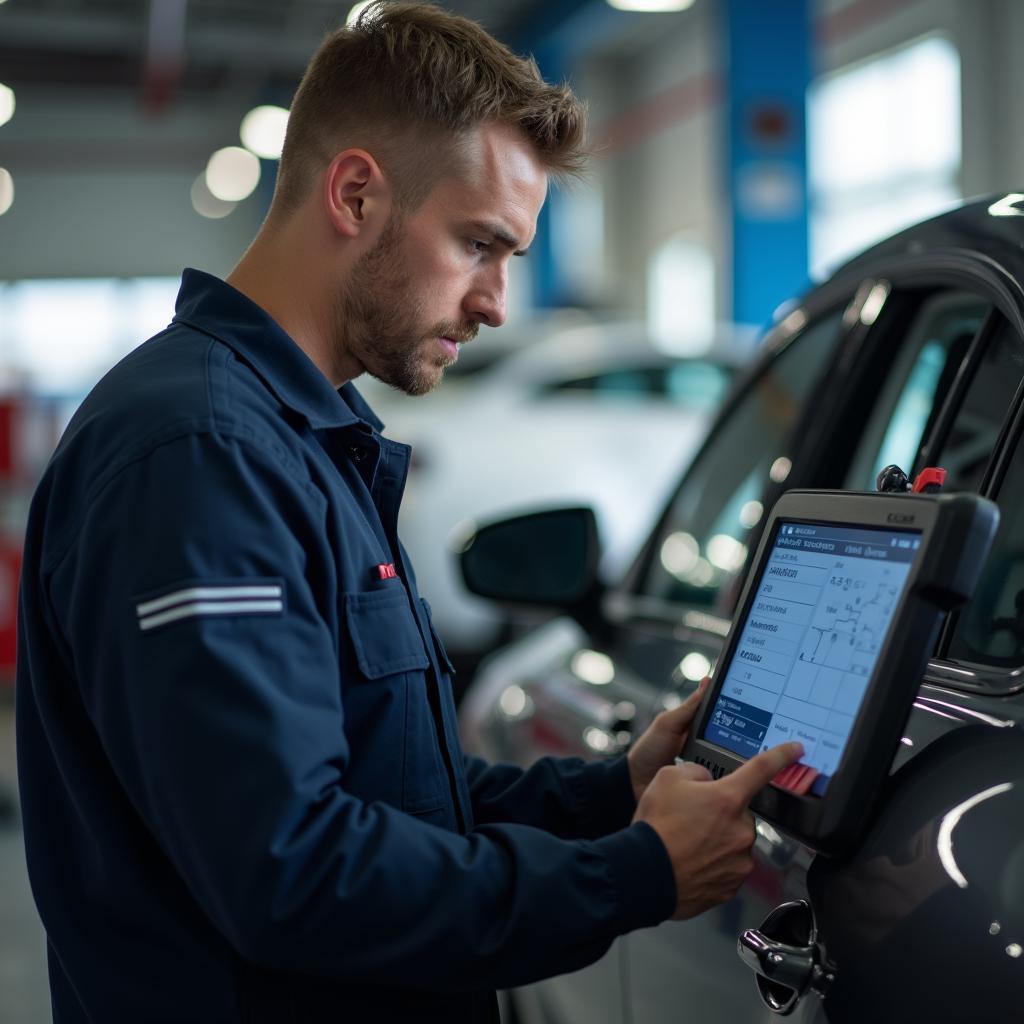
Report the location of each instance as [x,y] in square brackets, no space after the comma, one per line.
[211,305]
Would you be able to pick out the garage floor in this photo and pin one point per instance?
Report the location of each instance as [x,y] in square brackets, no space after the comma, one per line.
[24,993]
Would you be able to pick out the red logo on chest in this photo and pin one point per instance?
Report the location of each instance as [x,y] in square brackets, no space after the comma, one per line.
[387,571]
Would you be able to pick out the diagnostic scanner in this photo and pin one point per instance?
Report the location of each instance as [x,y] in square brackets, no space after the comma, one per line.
[838,616]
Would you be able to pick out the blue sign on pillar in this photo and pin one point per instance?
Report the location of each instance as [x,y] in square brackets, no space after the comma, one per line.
[768,71]
[548,277]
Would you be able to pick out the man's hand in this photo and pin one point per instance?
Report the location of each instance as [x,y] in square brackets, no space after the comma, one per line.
[663,741]
[706,826]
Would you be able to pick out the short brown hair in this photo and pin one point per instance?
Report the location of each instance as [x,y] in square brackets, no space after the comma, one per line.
[408,76]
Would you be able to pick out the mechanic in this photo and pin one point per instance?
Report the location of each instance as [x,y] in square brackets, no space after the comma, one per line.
[243,793]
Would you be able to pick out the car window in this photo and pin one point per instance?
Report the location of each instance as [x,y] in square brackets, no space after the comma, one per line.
[965,451]
[639,382]
[701,548]
[694,384]
[990,629]
[911,392]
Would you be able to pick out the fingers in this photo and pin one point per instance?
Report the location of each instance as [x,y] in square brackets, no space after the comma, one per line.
[694,772]
[680,718]
[753,776]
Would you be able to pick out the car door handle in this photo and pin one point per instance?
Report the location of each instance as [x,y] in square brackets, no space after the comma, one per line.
[779,962]
[783,970]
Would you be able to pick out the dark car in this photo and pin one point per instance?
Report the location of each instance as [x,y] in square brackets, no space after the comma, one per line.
[912,354]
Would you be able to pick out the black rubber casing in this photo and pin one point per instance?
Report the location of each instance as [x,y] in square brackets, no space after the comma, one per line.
[956,532]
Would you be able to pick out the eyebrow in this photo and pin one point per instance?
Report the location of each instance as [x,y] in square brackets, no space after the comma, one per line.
[500,234]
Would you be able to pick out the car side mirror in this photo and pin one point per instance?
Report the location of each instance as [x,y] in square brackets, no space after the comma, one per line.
[544,559]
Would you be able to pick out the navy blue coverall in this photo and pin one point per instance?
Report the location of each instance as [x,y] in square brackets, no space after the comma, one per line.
[243,793]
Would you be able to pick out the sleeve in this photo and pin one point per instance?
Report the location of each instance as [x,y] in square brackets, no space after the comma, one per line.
[568,797]
[227,732]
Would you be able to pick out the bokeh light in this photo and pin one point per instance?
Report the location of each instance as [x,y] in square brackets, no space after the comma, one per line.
[7,103]
[206,204]
[262,131]
[6,190]
[232,174]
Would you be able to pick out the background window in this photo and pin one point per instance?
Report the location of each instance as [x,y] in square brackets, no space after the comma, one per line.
[681,296]
[59,337]
[884,147]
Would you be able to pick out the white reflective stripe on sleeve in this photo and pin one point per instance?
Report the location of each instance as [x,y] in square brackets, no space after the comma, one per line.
[212,608]
[205,594]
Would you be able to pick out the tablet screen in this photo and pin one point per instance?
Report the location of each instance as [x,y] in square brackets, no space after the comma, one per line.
[810,641]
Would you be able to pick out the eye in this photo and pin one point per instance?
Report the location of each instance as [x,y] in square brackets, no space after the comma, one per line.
[476,246]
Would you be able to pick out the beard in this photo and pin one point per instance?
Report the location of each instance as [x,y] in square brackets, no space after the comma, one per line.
[379,320]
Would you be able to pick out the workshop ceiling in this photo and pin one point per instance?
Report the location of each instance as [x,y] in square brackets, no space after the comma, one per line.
[167,48]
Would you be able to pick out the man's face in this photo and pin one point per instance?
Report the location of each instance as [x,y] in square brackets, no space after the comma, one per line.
[439,272]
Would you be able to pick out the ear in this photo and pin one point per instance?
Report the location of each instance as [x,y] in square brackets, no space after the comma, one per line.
[356,196]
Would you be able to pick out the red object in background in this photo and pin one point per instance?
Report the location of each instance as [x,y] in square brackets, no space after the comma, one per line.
[10,571]
[29,430]
[8,414]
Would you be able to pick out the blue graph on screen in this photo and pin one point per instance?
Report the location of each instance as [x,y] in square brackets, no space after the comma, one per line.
[810,640]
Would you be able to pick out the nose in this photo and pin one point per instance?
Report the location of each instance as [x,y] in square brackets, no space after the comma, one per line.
[486,303]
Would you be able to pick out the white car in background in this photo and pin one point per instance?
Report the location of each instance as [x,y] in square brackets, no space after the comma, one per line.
[593,413]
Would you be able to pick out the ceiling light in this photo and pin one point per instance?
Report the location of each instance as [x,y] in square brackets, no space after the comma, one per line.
[6,101]
[205,203]
[6,190]
[232,173]
[651,6]
[262,131]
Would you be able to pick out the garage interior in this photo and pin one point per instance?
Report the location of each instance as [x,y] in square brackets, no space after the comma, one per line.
[742,151]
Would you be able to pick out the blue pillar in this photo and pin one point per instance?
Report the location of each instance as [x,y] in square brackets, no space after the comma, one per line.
[547,277]
[768,69]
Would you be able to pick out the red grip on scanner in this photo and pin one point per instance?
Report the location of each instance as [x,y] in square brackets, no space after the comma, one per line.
[929,479]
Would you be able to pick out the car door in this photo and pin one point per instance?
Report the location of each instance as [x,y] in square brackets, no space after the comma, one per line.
[937,880]
[932,376]
[673,616]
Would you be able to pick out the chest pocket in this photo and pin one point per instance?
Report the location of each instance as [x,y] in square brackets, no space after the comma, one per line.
[389,720]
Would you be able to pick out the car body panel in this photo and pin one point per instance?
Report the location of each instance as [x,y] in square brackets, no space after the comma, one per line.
[937,887]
